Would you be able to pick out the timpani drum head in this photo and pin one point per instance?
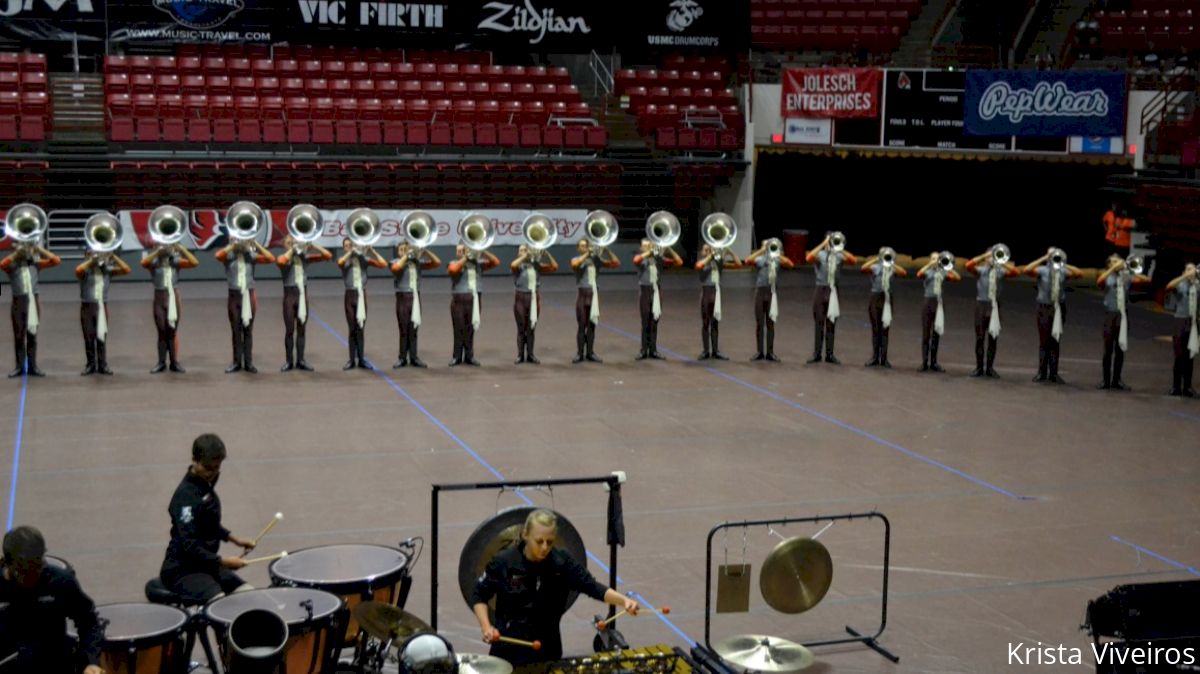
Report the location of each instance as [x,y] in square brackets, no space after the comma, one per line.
[137,623]
[286,602]
[341,569]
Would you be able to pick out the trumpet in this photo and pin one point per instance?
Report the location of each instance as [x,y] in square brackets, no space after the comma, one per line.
[477,233]
[837,241]
[946,261]
[304,226]
[1001,254]
[166,225]
[1135,264]
[887,256]
[244,220]
[26,224]
[420,232]
[600,229]
[102,234]
[663,230]
[719,232]
[363,228]
[539,233]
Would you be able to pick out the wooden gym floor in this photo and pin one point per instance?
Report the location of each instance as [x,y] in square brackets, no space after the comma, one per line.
[1012,504]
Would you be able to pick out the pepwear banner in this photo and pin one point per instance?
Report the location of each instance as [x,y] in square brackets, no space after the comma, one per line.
[1053,104]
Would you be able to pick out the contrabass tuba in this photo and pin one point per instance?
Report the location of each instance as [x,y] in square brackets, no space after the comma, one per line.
[477,233]
[539,233]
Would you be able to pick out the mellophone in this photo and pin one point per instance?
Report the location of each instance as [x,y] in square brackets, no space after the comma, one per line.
[313,591]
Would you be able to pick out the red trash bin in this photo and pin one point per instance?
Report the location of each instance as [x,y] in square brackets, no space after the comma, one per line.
[795,244]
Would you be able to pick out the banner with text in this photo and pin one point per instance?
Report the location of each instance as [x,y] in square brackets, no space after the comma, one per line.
[207,227]
[174,21]
[684,24]
[1053,104]
[837,93]
[29,21]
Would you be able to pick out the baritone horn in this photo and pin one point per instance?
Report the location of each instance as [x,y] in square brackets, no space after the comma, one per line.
[946,261]
[719,232]
[304,224]
[539,233]
[363,228]
[663,230]
[837,241]
[244,220]
[25,224]
[477,233]
[1001,254]
[600,229]
[1058,258]
[420,231]
[166,225]
[887,256]
[102,234]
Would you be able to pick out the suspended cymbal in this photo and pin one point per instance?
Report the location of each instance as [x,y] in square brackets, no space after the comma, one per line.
[475,663]
[384,621]
[763,653]
[796,575]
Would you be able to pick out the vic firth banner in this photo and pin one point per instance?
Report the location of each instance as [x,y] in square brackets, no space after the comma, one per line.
[173,21]
[838,93]
[1044,103]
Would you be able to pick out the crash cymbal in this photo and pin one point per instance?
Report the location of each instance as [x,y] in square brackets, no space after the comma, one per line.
[764,653]
[796,575]
[476,663]
[384,621]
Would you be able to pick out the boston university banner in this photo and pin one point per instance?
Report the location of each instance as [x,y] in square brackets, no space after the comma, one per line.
[1053,104]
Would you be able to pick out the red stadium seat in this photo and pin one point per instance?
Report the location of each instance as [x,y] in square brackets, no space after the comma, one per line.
[393,132]
[298,132]
[199,131]
[322,131]
[249,131]
[224,130]
[370,132]
[274,131]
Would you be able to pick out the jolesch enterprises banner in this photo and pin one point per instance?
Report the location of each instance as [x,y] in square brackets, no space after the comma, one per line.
[831,93]
[1044,103]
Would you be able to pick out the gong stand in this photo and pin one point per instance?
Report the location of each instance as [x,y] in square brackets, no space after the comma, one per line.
[855,636]
[614,486]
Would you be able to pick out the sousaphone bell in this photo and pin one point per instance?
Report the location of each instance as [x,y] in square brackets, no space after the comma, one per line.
[166,225]
[663,229]
[600,229]
[304,223]
[363,228]
[420,231]
[477,233]
[25,224]
[244,220]
[539,233]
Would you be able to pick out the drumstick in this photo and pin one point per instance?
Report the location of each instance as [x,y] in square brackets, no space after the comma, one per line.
[535,645]
[273,522]
[604,623]
[268,558]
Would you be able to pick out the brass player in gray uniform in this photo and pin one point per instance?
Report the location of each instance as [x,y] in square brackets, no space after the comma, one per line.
[164,264]
[407,268]
[826,305]
[527,270]
[1117,281]
[22,266]
[1052,273]
[932,314]
[94,275]
[710,265]
[587,297]
[1186,340]
[293,266]
[766,301]
[879,306]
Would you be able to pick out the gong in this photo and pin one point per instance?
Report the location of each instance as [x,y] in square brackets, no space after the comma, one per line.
[796,575]
[503,530]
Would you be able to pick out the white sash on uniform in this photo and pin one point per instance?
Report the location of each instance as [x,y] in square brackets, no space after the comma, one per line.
[412,272]
[994,321]
[886,283]
[594,315]
[533,302]
[1123,333]
[298,265]
[834,310]
[360,312]
[773,312]
[31,320]
[1055,290]
[169,281]
[716,279]
[247,314]
[656,306]
[98,295]
[1193,338]
[474,286]
[939,318]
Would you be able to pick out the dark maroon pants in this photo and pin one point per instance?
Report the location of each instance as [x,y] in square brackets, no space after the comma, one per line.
[879,334]
[985,344]
[1048,347]
[243,335]
[293,327]
[585,330]
[167,335]
[464,332]
[24,344]
[1184,363]
[89,318]
[408,331]
[649,324]
[522,305]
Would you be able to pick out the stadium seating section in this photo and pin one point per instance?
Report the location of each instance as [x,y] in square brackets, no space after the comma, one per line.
[346,96]
[684,106]
[838,25]
[24,102]
[1169,24]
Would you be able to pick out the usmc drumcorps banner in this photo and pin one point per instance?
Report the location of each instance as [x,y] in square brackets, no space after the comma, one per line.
[831,93]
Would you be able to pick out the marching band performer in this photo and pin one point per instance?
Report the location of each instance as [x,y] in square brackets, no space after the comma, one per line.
[354,263]
[828,257]
[935,273]
[26,224]
[164,263]
[1186,341]
[767,260]
[95,274]
[1117,280]
[527,270]
[600,230]
[991,267]
[407,268]
[709,265]
[464,300]
[882,268]
[243,221]
[293,266]
[656,253]
[1052,272]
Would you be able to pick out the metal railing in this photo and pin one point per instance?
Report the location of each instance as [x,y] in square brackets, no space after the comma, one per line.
[602,74]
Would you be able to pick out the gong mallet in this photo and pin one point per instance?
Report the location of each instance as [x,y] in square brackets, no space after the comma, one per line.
[535,645]
[605,623]
[268,558]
